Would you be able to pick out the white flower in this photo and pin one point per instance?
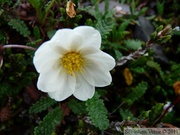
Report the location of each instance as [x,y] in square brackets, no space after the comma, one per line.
[167,105]
[71,63]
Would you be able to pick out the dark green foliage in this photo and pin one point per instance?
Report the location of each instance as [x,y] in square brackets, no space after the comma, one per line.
[160,7]
[169,117]
[133,44]
[2,37]
[105,25]
[136,93]
[174,75]
[36,3]
[138,70]
[42,105]
[155,112]
[6,2]
[19,26]
[121,32]
[144,115]
[42,9]
[104,22]
[36,33]
[27,79]
[47,125]
[97,112]
[156,66]
[5,90]
[126,114]
[77,107]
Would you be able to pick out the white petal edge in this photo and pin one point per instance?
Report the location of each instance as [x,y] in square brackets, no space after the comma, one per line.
[74,43]
[97,76]
[43,54]
[91,37]
[65,91]
[102,59]
[62,35]
[83,90]
[52,76]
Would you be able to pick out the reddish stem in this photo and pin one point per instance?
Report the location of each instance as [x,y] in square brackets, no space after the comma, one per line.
[165,111]
[18,46]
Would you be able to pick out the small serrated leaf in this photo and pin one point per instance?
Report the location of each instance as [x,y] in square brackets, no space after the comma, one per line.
[154,65]
[126,114]
[136,93]
[42,105]
[77,107]
[19,26]
[155,112]
[47,125]
[133,44]
[97,112]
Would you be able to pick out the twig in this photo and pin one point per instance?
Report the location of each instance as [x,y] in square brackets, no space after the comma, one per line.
[165,111]
[135,54]
[117,108]
[18,46]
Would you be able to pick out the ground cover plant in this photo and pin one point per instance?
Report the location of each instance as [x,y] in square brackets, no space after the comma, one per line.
[119,66]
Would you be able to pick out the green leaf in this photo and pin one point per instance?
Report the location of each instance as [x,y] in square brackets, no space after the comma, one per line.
[47,125]
[126,114]
[105,25]
[138,70]
[155,112]
[5,90]
[19,26]
[156,66]
[51,33]
[77,107]
[36,32]
[2,37]
[138,62]
[118,54]
[121,33]
[42,105]
[144,115]
[142,11]
[35,3]
[136,93]
[97,112]
[9,2]
[160,7]
[133,44]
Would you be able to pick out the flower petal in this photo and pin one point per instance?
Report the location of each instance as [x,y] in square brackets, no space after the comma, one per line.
[91,37]
[102,59]
[76,42]
[83,90]
[66,90]
[62,35]
[43,54]
[52,76]
[96,75]
[73,44]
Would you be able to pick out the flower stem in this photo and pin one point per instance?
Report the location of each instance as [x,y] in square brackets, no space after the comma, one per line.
[18,46]
[166,110]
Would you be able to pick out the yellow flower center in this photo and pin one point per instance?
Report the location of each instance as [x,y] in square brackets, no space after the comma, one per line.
[72,62]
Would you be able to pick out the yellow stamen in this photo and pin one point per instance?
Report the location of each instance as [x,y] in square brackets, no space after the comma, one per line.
[72,62]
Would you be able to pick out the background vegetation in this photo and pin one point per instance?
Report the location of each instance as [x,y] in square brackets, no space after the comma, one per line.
[142,82]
